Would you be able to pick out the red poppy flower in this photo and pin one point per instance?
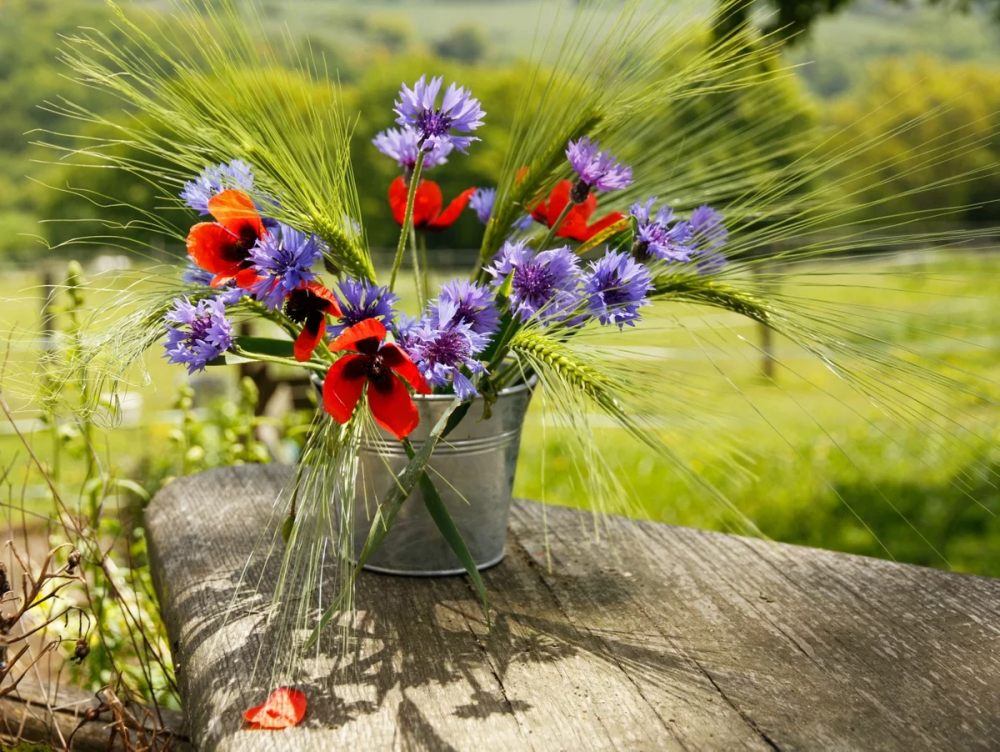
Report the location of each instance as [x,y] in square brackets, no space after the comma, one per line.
[309,305]
[574,226]
[427,214]
[223,247]
[377,365]
[285,707]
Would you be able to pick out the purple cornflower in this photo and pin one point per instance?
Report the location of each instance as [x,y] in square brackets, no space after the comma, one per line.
[482,202]
[543,284]
[360,300]
[656,237]
[462,302]
[404,332]
[207,333]
[441,352]
[282,260]
[193,274]
[708,234]
[401,145]
[214,180]
[616,287]
[598,170]
[459,111]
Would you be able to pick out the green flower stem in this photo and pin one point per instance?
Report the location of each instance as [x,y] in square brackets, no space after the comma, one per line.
[276,317]
[504,345]
[426,269]
[320,367]
[555,227]
[411,197]
[419,271]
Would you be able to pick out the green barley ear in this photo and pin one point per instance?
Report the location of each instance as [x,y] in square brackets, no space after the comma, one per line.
[639,84]
[690,287]
[544,352]
[209,84]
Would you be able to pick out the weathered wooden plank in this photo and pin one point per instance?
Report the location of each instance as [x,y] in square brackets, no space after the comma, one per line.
[681,639]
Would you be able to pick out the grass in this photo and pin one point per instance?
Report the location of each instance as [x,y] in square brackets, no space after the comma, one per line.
[802,456]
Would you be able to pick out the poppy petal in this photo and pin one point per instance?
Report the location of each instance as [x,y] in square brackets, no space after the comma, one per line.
[449,215]
[427,204]
[233,209]
[247,278]
[207,244]
[573,227]
[603,224]
[309,337]
[588,207]
[397,199]
[557,201]
[220,279]
[284,708]
[343,385]
[392,407]
[397,359]
[352,335]
[326,294]
[539,212]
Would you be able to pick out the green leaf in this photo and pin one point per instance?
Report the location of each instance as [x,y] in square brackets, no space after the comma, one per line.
[279,348]
[456,418]
[506,287]
[132,486]
[498,339]
[444,522]
[287,526]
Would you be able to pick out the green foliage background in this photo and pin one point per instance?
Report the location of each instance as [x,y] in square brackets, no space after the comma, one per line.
[873,55]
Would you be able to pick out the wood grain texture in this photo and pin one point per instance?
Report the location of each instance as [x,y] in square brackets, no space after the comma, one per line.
[681,639]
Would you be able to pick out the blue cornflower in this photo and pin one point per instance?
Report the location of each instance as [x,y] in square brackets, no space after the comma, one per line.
[482,202]
[214,180]
[462,302]
[597,169]
[656,237]
[401,145]
[404,332]
[708,234]
[203,334]
[543,284]
[441,352]
[615,288]
[360,300]
[282,260]
[459,111]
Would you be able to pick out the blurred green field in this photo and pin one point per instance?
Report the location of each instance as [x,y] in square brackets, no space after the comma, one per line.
[804,457]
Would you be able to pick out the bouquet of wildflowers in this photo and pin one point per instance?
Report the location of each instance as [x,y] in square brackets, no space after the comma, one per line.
[579,262]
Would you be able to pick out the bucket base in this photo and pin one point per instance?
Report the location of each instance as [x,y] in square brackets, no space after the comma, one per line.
[434,572]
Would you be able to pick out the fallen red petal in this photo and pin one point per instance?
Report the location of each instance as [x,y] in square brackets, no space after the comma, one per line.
[283,709]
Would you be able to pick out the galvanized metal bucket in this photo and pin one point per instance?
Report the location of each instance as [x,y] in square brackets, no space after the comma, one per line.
[473,470]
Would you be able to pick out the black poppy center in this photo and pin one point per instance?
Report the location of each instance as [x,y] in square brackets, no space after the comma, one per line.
[579,192]
[301,304]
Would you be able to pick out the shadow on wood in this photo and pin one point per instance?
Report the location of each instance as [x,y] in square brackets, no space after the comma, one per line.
[674,639]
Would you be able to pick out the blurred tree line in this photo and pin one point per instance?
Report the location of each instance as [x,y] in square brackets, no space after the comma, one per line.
[385,50]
